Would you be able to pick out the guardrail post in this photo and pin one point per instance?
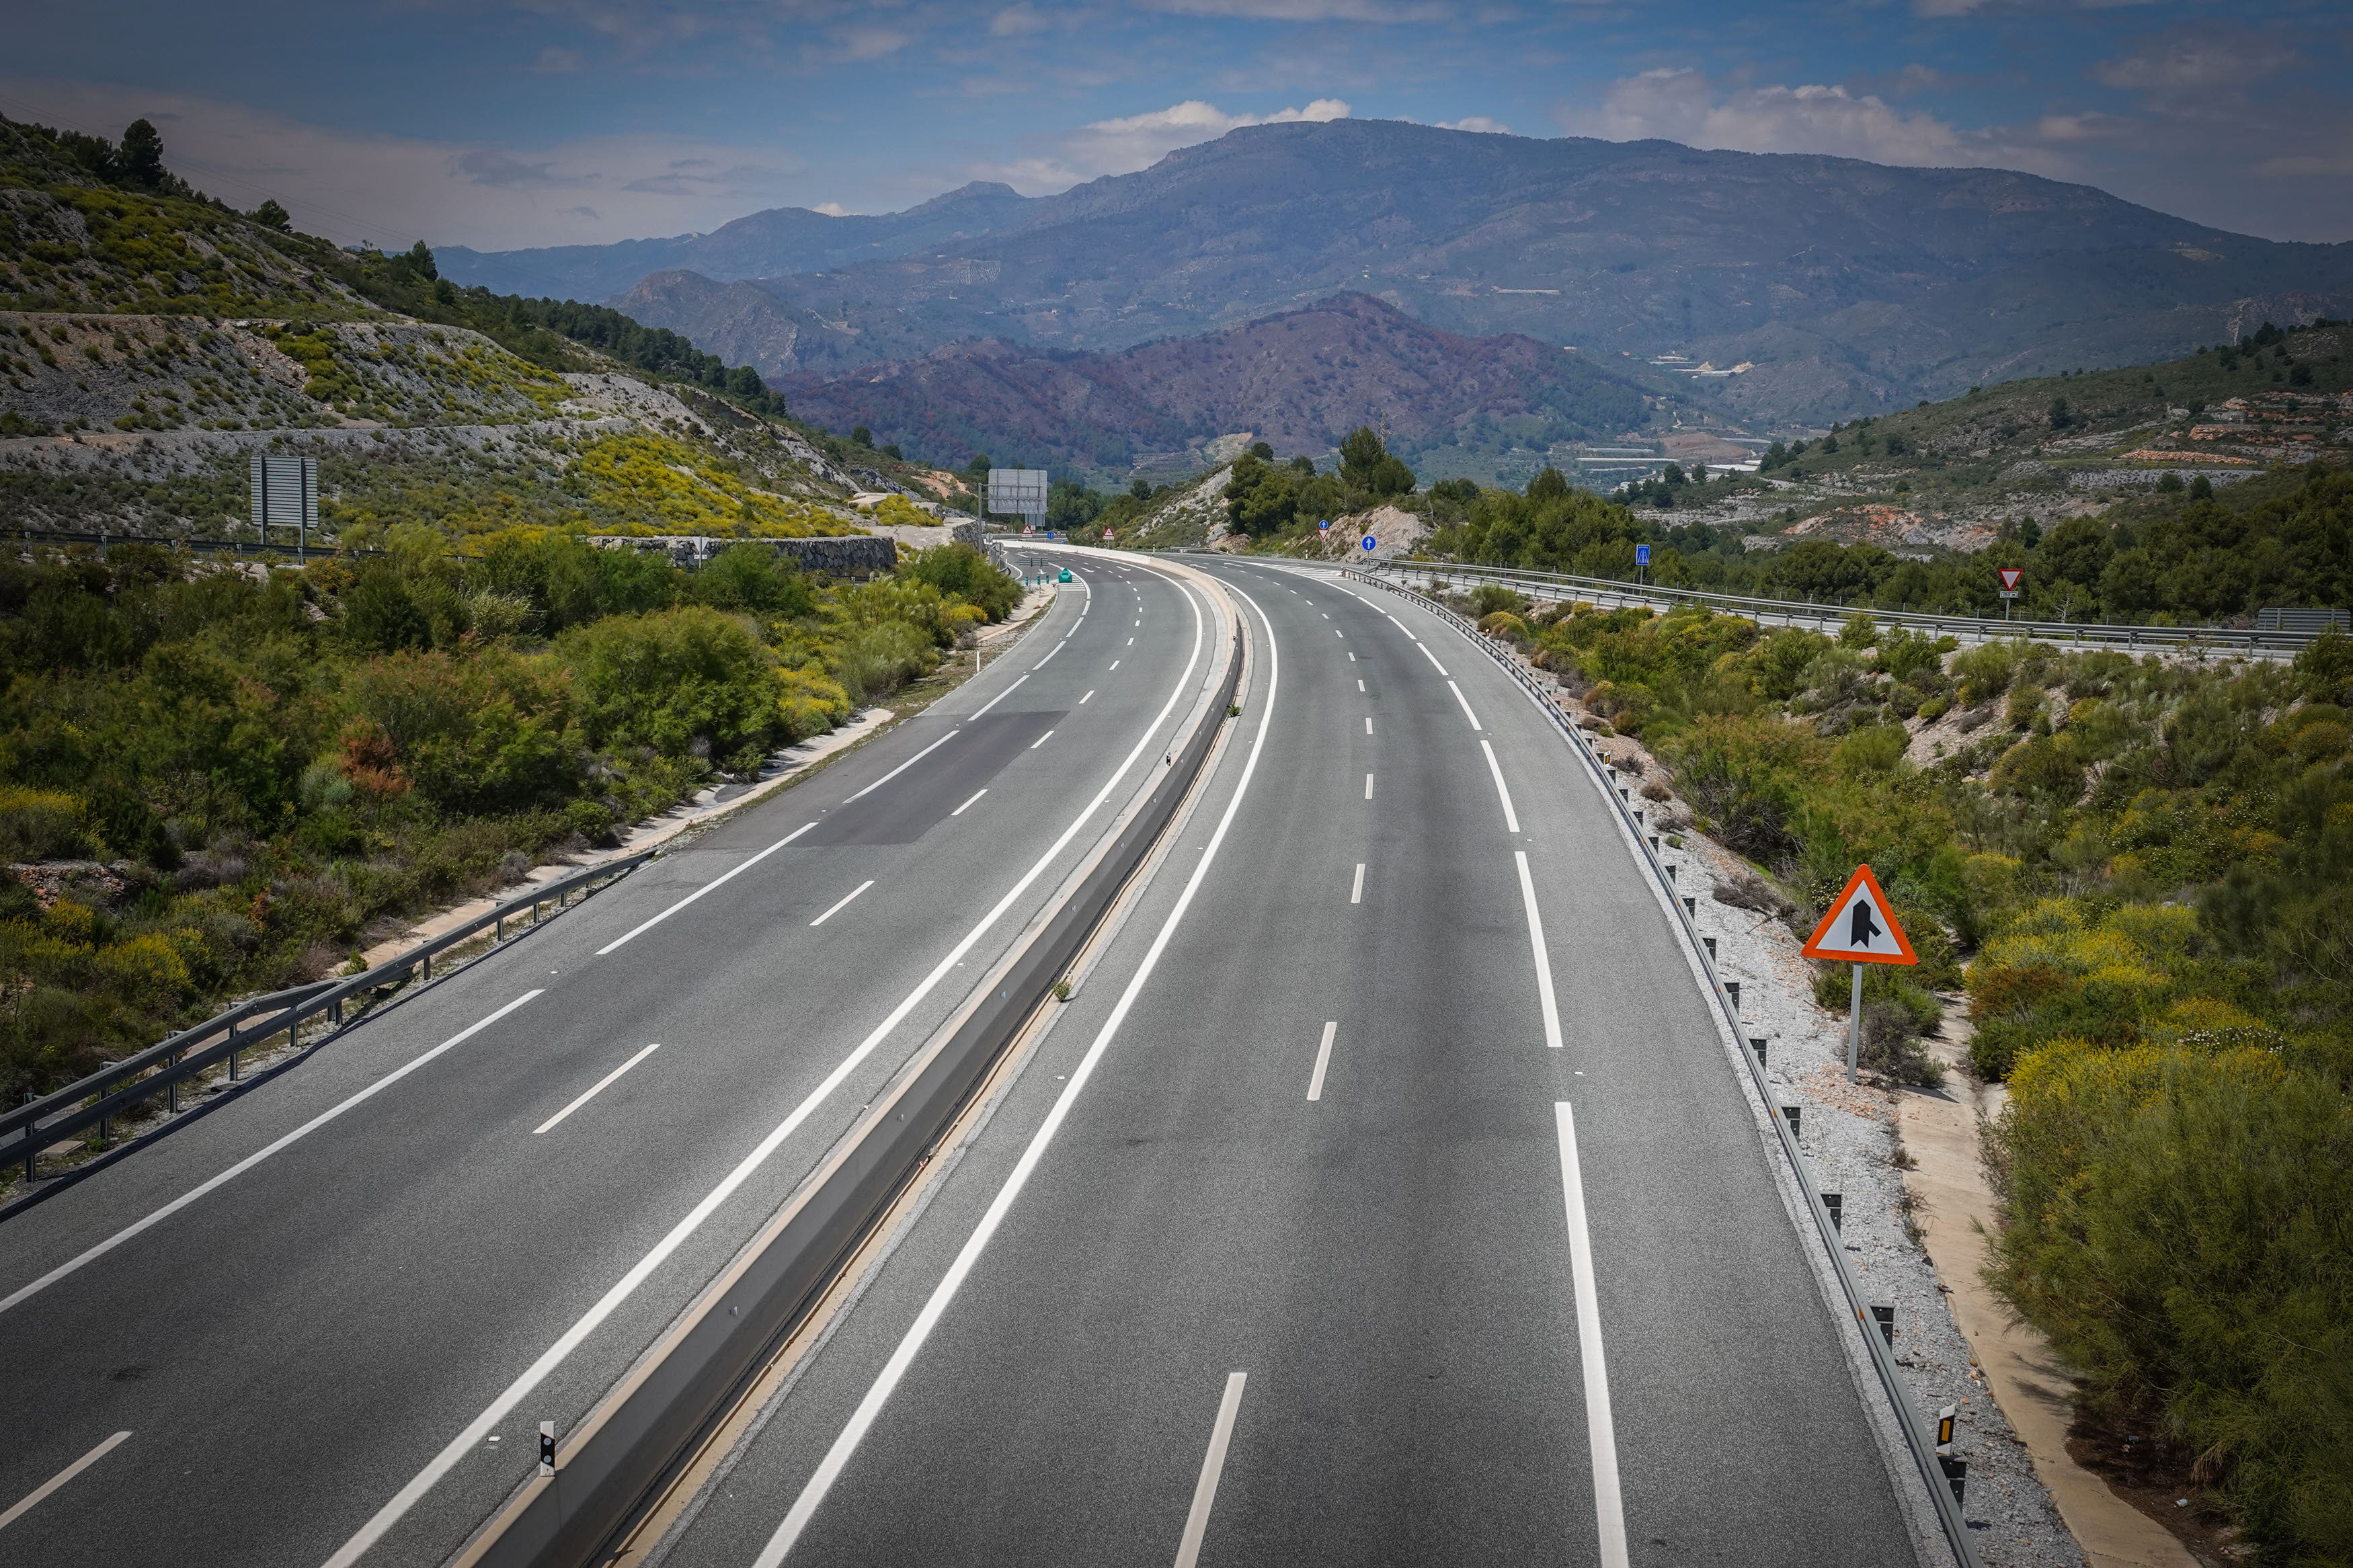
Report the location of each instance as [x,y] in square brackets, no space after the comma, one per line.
[1795,1116]
[1836,1204]
[172,1095]
[1757,1044]
[32,1144]
[1732,989]
[424,967]
[1706,941]
[1690,907]
[1885,1313]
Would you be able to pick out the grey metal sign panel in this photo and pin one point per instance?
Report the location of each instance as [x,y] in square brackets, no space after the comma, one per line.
[1019,491]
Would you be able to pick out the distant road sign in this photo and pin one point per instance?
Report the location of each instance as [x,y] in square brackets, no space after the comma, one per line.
[1370,543]
[1021,492]
[1108,534]
[1861,928]
[2009,576]
[1324,526]
[1642,555]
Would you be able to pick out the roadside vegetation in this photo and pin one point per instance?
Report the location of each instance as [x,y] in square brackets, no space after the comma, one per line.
[218,779]
[2143,865]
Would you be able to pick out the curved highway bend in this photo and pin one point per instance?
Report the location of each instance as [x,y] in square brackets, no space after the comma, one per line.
[1267,1258]
[1266,1255]
[530,1168]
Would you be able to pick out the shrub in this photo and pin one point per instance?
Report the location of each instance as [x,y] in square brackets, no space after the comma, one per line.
[683,682]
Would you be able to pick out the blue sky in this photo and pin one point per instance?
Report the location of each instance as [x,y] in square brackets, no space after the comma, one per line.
[499,124]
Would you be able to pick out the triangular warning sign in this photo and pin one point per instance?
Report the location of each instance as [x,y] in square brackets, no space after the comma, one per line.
[2009,575]
[1861,928]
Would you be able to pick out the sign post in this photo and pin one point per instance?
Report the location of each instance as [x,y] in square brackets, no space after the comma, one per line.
[1860,929]
[2010,577]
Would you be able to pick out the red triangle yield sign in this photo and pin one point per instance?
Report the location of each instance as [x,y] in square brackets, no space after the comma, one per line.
[1860,926]
[2009,575]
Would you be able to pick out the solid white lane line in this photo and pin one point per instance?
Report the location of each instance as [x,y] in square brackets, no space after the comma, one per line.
[1083,702]
[886,1382]
[1466,705]
[1213,1465]
[1048,658]
[1544,959]
[1322,1059]
[1428,655]
[1368,786]
[464,1443]
[902,767]
[975,795]
[1502,792]
[257,1157]
[1609,1514]
[999,697]
[724,878]
[60,1479]
[597,1088]
[844,903]
[1356,892]
[1041,740]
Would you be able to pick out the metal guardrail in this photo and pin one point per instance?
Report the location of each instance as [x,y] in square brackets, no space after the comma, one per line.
[2263,644]
[241,547]
[627,1452]
[162,1068]
[1916,1435]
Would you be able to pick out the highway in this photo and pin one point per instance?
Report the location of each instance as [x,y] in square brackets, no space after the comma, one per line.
[1384,1195]
[329,1314]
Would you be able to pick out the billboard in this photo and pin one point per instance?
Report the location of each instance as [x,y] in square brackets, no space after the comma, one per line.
[1021,491]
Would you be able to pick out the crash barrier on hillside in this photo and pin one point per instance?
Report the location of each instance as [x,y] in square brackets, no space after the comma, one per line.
[2260,642]
[1917,1436]
[848,556]
[617,1464]
[96,1101]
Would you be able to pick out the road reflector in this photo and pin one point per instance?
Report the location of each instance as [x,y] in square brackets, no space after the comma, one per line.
[1860,927]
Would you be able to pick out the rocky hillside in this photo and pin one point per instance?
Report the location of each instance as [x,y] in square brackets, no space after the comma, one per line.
[1843,288]
[151,340]
[1298,381]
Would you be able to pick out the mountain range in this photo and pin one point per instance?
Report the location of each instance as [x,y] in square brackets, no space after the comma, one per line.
[1299,380]
[1845,286]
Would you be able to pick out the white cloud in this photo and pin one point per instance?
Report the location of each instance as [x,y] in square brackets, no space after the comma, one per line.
[1684,106]
[2198,61]
[1017,21]
[1136,142]
[1478,123]
[831,209]
[389,190]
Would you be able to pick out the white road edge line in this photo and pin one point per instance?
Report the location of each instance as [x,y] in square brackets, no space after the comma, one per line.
[258,1156]
[60,1479]
[902,767]
[1430,656]
[1466,706]
[599,1088]
[1544,960]
[1356,893]
[844,903]
[724,878]
[1511,817]
[1609,1514]
[468,1440]
[1041,740]
[959,811]
[886,1382]
[1213,1465]
[1323,1061]
[1000,696]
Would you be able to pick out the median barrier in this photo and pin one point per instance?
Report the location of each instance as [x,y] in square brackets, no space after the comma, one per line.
[625,1455]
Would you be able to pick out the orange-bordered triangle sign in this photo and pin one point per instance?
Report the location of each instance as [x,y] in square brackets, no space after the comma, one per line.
[1860,927]
[2009,575]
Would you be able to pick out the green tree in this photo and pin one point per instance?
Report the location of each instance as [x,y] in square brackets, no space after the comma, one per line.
[143,155]
[270,215]
[1360,457]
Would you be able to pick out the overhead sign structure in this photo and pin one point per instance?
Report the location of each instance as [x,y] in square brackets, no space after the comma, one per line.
[1370,543]
[1021,492]
[1859,928]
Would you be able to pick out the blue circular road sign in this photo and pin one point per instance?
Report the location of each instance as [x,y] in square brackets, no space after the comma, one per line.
[1370,541]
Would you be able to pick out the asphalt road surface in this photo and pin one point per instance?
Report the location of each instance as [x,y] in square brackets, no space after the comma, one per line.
[1312,1234]
[331,1313]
